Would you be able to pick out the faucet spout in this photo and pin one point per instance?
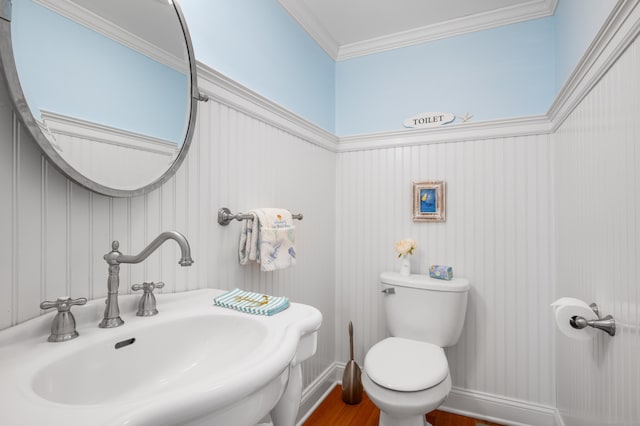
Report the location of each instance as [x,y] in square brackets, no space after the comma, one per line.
[114,258]
[185,258]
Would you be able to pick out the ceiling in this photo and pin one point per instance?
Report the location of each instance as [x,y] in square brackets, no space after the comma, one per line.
[349,28]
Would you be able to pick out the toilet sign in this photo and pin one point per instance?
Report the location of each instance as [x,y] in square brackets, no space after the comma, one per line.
[429,119]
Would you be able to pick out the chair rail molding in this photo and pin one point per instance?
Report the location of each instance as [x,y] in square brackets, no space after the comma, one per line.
[482,130]
[232,94]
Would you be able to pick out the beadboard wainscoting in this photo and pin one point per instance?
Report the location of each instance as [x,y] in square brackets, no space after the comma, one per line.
[497,234]
[596,172]
[57,232]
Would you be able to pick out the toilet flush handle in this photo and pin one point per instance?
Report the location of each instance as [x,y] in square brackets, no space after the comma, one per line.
[390,290]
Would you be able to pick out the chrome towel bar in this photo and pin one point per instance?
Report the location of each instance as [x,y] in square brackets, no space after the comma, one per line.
[225,216]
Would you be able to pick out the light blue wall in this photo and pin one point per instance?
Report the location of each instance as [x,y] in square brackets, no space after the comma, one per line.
[491,74]
[256,43]
[577,23]
[68,69]
[511,71]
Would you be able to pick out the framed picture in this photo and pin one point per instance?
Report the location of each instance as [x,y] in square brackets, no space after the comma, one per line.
[429,201]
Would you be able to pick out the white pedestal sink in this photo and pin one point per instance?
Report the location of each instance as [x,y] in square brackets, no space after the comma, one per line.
[193,364]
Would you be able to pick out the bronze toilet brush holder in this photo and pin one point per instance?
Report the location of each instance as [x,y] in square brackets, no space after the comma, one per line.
[351,379]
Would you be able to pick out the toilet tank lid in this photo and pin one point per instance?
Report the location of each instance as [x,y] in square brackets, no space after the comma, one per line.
[456,285]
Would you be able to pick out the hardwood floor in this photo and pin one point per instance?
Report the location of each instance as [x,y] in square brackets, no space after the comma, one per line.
[334,412]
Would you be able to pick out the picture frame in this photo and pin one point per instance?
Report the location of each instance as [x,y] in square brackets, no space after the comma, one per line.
[429,201]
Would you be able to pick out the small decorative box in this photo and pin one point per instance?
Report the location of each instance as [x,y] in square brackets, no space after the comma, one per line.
[441,272]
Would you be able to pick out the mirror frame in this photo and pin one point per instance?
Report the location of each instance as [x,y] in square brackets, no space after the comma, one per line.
[7,62]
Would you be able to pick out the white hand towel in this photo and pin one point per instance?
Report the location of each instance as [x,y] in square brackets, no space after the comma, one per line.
[277,239]
[268,239]
[277,250]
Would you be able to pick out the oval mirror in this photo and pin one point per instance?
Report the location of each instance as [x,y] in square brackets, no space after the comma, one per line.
[108,89]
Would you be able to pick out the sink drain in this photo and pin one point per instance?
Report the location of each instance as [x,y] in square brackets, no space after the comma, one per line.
[124,343]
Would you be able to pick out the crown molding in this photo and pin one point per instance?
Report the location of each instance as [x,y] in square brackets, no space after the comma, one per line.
[481,21]
[620,29]
[530,10]
[114,32]
[299,11]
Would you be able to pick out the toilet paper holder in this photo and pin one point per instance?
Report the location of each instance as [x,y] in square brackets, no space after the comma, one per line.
[606,324]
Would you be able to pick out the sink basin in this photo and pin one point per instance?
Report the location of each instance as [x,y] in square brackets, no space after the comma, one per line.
[193,364]
[162,356]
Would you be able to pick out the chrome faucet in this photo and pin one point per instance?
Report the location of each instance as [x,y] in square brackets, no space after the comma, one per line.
[114,258]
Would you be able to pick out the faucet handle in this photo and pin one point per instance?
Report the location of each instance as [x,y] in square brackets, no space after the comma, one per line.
[63,303]
[147,303]
[63,327]
[147,287]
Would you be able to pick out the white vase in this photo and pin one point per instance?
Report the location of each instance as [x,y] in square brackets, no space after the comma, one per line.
[405,266]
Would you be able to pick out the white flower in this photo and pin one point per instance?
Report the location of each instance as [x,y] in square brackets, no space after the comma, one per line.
[405,246]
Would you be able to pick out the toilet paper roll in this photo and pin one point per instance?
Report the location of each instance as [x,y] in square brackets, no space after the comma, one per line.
[568,307]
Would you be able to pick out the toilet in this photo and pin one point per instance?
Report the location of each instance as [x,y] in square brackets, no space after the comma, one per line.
[407,375]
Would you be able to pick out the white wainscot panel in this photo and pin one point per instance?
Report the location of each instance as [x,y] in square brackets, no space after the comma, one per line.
[497,234]
[597,176]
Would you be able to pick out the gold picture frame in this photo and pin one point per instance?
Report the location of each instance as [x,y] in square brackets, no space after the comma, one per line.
[429,201]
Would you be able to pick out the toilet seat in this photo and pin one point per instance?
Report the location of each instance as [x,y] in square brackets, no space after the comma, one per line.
[398,403]
[406,365]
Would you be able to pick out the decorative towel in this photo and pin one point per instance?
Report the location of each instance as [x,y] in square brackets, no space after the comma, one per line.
[248,247]
[269,239]
[252,303]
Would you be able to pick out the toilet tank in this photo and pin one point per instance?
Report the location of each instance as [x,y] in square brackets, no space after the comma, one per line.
[424,309]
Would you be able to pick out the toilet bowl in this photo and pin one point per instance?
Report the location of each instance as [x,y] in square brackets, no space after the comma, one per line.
[405,379]
[407,375]
[406,408]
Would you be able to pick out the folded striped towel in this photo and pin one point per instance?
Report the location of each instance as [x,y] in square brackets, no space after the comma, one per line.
[252,303]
